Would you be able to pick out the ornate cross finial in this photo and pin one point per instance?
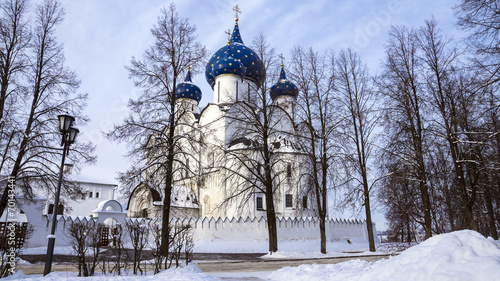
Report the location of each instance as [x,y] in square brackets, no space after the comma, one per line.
[236,10]
[282,59]
[228,32]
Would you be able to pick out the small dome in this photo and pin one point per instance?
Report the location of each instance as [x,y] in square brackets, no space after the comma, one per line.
[250,60]
[284,87]
[188,90]
[228,65]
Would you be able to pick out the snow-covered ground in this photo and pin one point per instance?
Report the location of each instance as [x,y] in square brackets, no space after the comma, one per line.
[461,255]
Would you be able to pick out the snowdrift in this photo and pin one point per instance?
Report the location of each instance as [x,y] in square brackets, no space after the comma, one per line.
[462,255]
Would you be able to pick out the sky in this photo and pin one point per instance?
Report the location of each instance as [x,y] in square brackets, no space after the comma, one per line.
[101,36]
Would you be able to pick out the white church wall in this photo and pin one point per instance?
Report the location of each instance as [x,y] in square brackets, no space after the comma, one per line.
[208,228]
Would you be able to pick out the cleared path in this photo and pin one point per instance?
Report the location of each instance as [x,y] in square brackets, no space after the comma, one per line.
[271,265]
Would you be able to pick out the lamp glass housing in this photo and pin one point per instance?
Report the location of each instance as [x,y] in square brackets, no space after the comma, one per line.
[73,132]
[65,122]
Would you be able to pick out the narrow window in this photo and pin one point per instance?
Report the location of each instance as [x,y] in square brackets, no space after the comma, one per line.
[236,90]
[60,210]
[260,205]
[304,202]
[91,194]
[288,201]
[289,170]
[97,195]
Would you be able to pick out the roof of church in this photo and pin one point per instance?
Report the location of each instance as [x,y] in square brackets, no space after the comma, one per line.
[284,87]
[187,89]
[238,51]
[228,65]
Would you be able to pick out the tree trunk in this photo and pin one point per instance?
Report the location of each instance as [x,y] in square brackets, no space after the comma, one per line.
[322,230]
[491,213]
[369,223]
[271,223]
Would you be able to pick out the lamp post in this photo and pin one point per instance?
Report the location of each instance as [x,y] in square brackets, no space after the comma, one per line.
[68,137]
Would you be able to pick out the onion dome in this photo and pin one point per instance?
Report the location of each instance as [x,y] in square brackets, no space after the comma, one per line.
[187,90]
[228,65]
[284,87]
[238,51]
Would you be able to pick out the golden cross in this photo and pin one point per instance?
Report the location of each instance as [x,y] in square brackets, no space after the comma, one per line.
[228,32]
[282,58]
[236,11]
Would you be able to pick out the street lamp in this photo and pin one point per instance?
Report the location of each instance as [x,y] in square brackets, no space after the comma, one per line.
[68,137]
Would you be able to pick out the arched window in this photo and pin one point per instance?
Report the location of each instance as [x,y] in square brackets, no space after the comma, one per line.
[97,195]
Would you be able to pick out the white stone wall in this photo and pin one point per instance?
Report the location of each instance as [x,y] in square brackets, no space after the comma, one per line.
[203,228]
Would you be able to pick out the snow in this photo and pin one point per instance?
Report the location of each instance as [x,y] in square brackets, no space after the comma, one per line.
[288,248]
[58,250]
[190,272]
[462,255]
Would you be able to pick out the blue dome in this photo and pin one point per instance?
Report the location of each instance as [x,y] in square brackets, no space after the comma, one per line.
[187,90]
[228,65]
[284,87]
[238,51]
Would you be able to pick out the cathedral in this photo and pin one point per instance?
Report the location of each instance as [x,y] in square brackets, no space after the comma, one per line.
[220,174]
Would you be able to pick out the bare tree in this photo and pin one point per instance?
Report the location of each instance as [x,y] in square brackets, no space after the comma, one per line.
[357,100]
[153,125]
[14,38]
[138,233]
[482,19]
[85,238]
[401,85]
[253,159]
[439,60]
[314,74]
[49,88]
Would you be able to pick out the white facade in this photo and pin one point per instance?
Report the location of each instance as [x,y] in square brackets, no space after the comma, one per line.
[94,193]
